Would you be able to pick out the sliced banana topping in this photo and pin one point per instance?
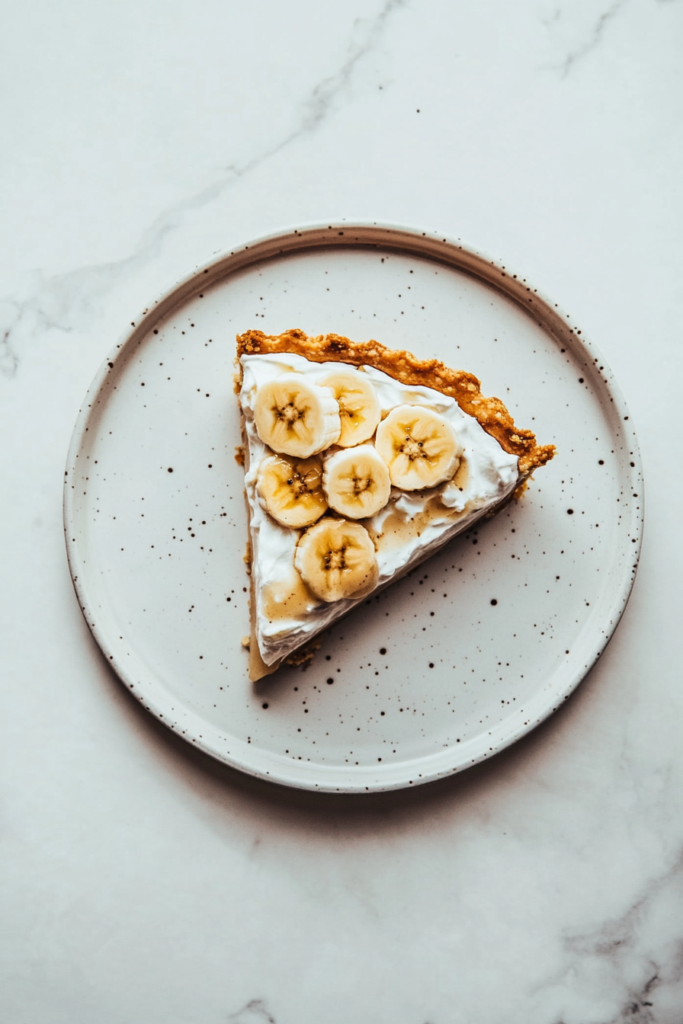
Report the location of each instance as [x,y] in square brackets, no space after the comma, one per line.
[291,490]
[293,416]
[337,559]
[359,406]
[356,481]
[419,446]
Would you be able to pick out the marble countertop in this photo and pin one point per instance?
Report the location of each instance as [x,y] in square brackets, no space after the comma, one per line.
[140,880]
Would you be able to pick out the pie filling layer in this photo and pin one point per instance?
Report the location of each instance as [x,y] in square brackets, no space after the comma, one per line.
[411,525]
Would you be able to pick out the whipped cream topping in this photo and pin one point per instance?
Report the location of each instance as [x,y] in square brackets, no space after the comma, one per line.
[407,530]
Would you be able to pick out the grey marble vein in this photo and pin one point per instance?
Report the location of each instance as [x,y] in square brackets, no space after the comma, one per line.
[9,360]
[69,300]
[593,41]
[365,36]
[627,961]
[253,1012]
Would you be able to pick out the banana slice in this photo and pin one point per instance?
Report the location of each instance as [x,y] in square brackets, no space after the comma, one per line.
[359,406]
[294,416]
[356,481]
[419,446]
[337,559]
[291,490]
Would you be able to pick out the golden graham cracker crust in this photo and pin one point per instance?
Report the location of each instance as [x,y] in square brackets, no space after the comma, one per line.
[403,366]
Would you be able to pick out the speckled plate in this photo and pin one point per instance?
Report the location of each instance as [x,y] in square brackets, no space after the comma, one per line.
[447,666]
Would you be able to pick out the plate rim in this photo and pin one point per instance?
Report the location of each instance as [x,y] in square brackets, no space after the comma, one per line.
[466,258]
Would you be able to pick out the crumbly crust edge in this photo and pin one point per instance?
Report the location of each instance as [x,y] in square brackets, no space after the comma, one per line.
[403,366]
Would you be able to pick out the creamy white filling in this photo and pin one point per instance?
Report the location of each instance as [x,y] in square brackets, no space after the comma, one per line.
[486,476]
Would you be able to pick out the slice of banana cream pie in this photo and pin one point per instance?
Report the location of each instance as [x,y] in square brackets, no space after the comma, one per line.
[360,462]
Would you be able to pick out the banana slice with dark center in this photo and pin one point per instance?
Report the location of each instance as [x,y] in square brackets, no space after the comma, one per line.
[337,559]
[356,481]
[419,446]
[294,416]
[291,490]
[359,407]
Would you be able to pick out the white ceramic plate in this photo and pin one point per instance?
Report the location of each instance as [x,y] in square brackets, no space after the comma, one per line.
[444,668]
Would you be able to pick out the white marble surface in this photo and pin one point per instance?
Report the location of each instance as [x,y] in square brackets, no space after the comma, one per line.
[142,882]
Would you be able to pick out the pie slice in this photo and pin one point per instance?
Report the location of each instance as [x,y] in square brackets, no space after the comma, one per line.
[360,462]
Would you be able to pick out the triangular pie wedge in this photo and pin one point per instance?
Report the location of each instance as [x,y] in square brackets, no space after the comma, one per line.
[360,462]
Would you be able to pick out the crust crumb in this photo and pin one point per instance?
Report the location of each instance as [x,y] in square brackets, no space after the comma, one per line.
[305,655]
[520,489]
[246,642]
[240,455]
